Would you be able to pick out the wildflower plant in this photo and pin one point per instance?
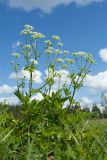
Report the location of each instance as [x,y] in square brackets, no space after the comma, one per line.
[47,126]
[54,127]
[78,64]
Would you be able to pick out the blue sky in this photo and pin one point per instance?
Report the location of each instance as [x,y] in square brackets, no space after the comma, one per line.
[81,24]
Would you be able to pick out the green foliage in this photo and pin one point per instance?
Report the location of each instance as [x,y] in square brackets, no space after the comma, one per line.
[45,127]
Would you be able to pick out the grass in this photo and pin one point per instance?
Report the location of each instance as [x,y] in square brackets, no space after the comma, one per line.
[75,137]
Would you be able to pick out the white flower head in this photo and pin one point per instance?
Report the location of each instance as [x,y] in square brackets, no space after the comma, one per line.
[66,52]
[70,60]
[37,35]
[27,26]
[27,30]
[49,50]
[88,57]
[34,61]
[29,47]
[60,44]
[58,51]
[82,54]
[48,42]
[57,38]
[59,60]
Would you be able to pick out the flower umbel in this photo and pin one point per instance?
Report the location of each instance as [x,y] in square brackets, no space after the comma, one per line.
[59,60]
[58,51]
[27,30]
[57,38]
[34,61]
[37,35]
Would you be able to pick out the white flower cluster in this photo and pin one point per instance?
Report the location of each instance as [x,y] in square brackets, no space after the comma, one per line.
[57,38]
[66,52]
[34,61]
[88,57]
[37,35]
[59,60]
[48,42]
[70,60]
[49,50]
[60,44]
[27,30]
[28,27]
[27,47]
[82,54]
[58,51]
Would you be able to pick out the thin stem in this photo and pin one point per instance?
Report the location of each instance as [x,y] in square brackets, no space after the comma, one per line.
[17,81]
[36,50]
[30,85]
[73,94]
[76,84]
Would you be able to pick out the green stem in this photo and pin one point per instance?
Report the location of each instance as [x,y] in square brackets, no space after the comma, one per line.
[30,85]
[17,81]
[73,94]
[76,84]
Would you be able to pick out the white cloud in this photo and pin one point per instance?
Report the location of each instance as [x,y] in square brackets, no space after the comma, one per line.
[37,75]
[38,96]
[98,81]
[103,54]
[66,104]
[7,89]
[46,5]
[9,100]
[86,102]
